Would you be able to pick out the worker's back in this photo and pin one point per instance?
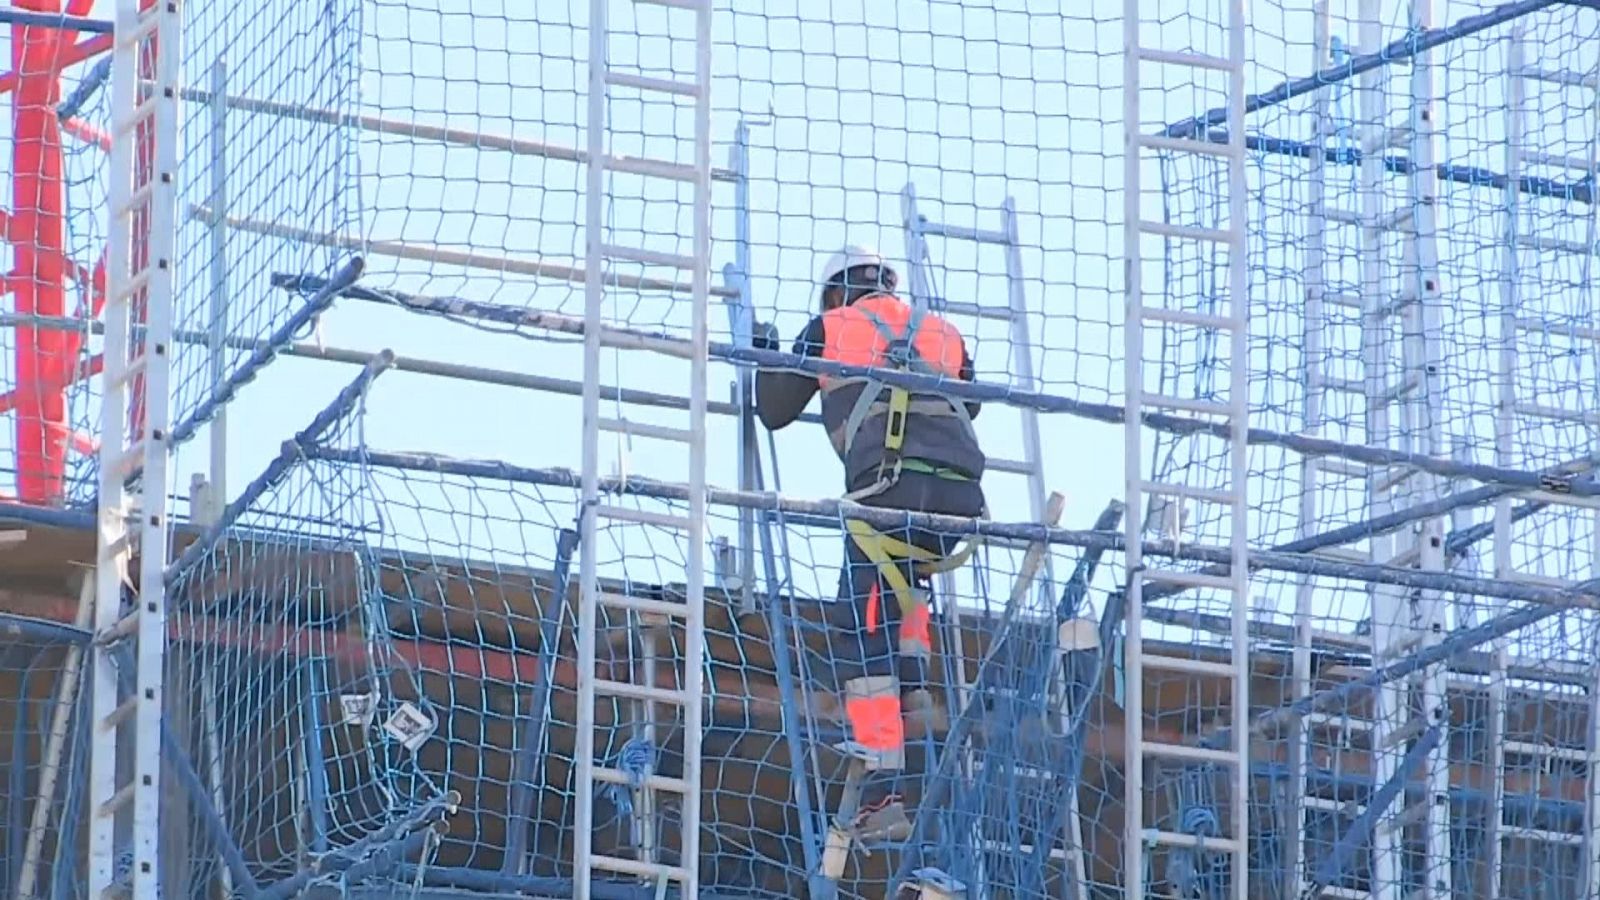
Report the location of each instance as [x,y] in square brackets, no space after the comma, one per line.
[937,432]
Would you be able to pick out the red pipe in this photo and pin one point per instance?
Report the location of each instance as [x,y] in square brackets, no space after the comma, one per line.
[38,276]
[72,55]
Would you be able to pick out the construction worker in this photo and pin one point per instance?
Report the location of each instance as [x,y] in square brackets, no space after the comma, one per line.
[901,450]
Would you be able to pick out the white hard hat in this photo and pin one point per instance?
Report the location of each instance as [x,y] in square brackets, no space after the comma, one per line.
[851,256]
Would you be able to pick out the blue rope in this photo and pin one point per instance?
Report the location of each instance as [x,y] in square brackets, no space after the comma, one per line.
[637,760]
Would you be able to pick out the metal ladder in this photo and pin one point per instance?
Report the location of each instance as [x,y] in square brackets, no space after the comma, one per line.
[1022,376]
[691,612]
[1512,414]
[1403,621]
[1138,229]
[135,416]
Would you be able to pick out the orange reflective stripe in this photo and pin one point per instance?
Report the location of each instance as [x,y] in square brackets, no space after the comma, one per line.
[874,604]
[875,722]
[850,337]
[917,625]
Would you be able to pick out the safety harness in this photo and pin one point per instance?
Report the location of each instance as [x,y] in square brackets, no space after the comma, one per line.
[886,552]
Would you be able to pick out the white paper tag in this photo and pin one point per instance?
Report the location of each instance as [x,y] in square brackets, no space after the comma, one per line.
[410,726]
[359,709]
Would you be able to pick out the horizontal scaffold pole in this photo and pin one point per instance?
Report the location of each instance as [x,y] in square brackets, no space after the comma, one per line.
[1585,597]
[986,392]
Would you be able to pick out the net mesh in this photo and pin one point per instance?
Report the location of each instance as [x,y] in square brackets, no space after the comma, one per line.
[373,663]
[45,728]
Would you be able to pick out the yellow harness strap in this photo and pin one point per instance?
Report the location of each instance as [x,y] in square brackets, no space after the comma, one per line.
[885,552]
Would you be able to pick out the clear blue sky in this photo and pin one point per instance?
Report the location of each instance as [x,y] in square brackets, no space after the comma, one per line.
[969,102]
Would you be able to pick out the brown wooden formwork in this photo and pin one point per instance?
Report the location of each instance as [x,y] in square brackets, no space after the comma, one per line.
[467,634]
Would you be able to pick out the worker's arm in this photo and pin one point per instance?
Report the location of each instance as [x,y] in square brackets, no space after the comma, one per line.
[973,406]
[782,395]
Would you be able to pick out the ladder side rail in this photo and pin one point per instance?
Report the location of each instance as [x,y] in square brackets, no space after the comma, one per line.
[919,286]
[1296,881]
[114,553]
[588,576]
[1239,401]
[1426,365]
[1389,605]
[700,349]
[1505,421]
[1133,856]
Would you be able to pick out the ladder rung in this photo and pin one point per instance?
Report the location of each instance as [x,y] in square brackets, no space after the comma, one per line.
[654,782]
[122,628]
[1011,466]
[1346,722]
[1344,386]
[1339,806]
[1341,554]
[1559,159]
[1411,815]
[1185,317]
[135,367]
[1540,834]
[1539,410]
[1187,664]
[1413,728]
[652,168]
[640,692]
[963,233]
[1345,468]
[137,282]
[1193,60]
[643,517]
[1559,245]
[1548,751]
[1390,138]
[1393,478]
[638,867]
[1187,145]
[118,800]
[1537,326]
[1179,839]
[144,25]
[1400,647]
[119,715]
[644,606]
[641,429]
[1194,754]
[1185,232]
[139,116]
[1202,407]
[647,83]
[698,5]
[975,310]
[130,461]
[138,198]
[1340,298]
[648,257]
[1560,76]
[1187,492]
[1188,579]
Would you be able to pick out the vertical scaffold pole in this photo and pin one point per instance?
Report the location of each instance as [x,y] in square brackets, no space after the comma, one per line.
[132,521]
[1199,149]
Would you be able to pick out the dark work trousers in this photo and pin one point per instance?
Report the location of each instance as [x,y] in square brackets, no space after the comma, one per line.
[856,650]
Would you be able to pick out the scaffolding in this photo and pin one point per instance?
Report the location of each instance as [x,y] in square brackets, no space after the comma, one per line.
[1333,637]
